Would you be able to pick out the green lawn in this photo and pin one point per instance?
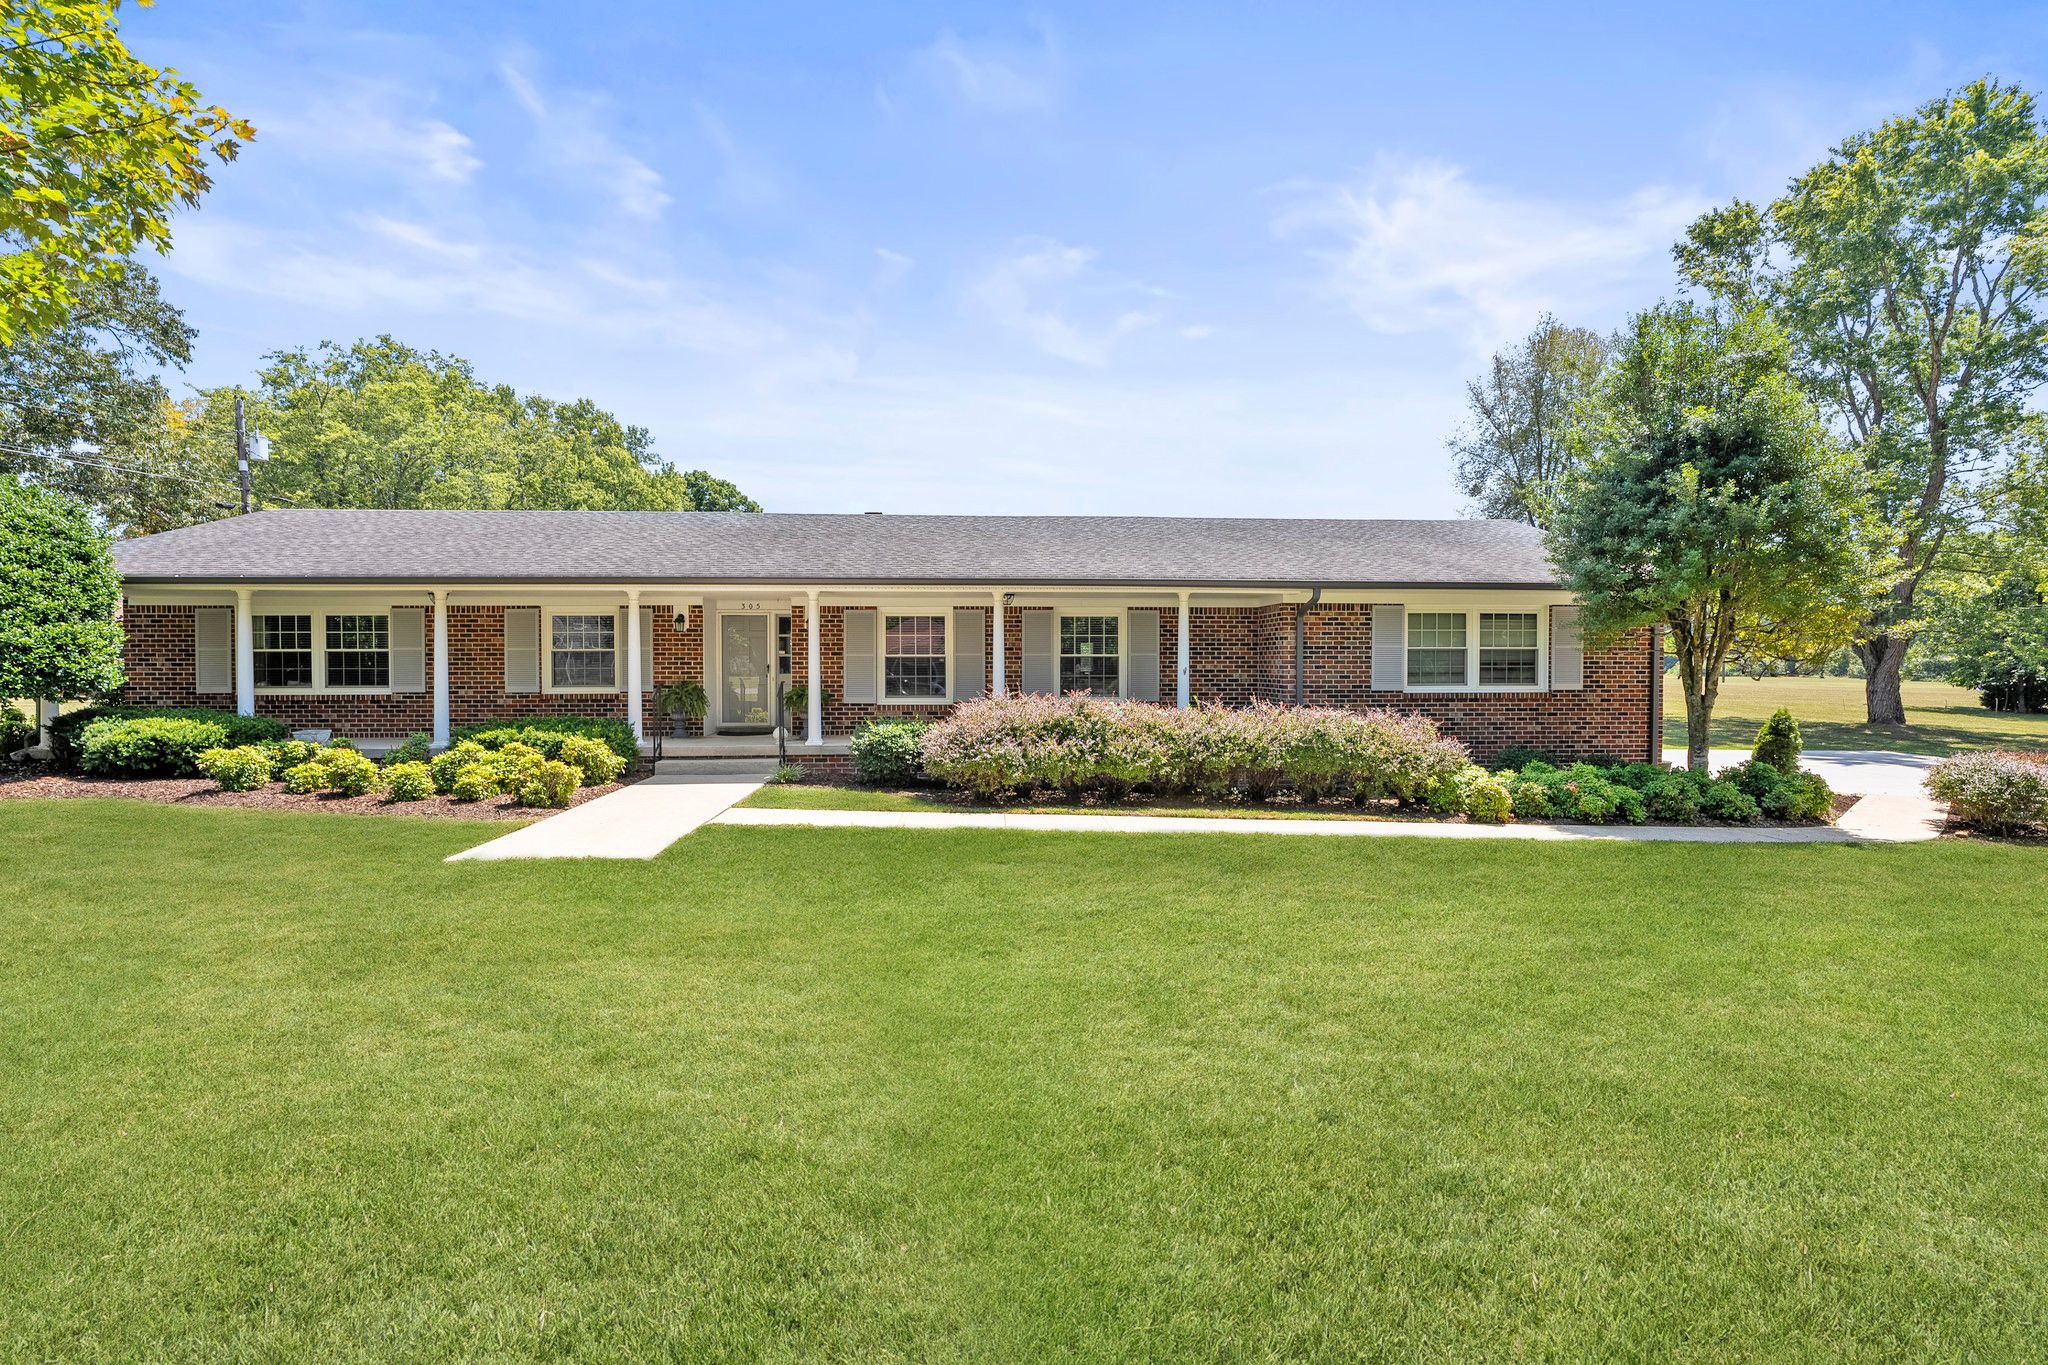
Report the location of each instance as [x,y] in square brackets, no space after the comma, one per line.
[286,1086]
[1940,719]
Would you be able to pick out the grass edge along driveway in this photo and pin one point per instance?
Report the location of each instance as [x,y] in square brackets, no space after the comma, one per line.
[286,1086]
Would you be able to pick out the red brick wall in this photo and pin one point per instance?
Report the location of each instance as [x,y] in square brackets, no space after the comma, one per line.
[1236,654]
[162,669]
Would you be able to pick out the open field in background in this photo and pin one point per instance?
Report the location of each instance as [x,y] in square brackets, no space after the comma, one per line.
[1940,719]
[289,1087]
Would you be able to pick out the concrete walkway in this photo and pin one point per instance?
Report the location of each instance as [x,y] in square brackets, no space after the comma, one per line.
[633,822]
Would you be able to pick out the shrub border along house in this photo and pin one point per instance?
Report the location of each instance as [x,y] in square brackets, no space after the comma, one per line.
[1081,747]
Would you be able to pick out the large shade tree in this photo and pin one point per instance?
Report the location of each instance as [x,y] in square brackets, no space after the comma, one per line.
[1514,448]
[97,150]
[58,597]
[84,410]
[1908,270]
[382,424]
[1713,501]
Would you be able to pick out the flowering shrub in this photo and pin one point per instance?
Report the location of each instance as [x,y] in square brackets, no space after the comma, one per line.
[998,747]
[1998,791]
[240,769]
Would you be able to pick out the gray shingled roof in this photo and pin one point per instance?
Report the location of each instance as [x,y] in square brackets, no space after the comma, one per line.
[782,547]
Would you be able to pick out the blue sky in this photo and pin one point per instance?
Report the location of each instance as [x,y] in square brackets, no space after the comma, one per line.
[1106,258]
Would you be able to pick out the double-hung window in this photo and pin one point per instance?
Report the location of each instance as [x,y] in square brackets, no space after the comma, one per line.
[358,651]
[913,658]
[284,650]
[1507,649]
[1091,654]
[1436,648]
[582,652]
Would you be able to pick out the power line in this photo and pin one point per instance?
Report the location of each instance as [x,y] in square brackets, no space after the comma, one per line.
[217,485]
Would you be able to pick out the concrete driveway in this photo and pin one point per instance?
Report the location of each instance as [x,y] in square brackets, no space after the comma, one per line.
[1895,806]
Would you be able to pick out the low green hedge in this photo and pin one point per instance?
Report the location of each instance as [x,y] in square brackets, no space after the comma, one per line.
[886,753]
[67,731]
[546,734]
[1630,793]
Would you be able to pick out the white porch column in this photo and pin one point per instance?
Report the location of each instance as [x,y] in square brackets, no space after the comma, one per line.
[441,726]
[814,683]
[245,655]
[633,681]
[1180,685]
[999,685]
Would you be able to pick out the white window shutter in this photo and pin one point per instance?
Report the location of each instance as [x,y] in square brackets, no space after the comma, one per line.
[1141,654]
[970,653]
[1389,648]
[647,649]
[408,649]
[1567,651]
[522,650]
[213,653]
[1040,671]
[859,663]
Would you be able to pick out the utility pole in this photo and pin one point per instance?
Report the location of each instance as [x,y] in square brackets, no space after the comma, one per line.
[242,454]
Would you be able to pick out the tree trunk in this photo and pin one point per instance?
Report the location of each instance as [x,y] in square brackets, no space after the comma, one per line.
[1883,656]
[1699,717]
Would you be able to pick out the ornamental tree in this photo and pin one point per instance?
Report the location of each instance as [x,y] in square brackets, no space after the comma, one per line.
[1712,501]
[58,596]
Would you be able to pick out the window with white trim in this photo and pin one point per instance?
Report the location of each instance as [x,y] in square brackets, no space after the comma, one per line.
[582,650]
[1436,648]
[358,651]
[913,658]
[1507,648]
[1091,654]
[283,646]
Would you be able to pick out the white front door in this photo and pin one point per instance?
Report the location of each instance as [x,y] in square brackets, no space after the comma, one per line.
[746,673]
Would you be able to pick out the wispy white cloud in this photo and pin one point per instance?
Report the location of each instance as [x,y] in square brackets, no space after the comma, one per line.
[1035,290]
[1419,246]
[744,180]
[995,77]
[570,135]
[370,125]
[891,269]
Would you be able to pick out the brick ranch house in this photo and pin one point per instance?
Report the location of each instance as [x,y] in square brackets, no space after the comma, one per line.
[379,623]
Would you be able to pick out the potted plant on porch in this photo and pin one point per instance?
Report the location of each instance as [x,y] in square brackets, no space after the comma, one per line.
[796,708]
[681,703]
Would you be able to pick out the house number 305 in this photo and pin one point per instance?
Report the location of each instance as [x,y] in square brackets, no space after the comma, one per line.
[751,606]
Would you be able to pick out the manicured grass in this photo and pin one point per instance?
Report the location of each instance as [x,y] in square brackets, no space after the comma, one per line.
[1940,719]
[288,1087]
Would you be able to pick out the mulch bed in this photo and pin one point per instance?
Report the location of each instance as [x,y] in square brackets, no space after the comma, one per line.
[32,785]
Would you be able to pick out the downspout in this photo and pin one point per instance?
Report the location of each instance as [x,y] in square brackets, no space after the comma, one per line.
[1301,610]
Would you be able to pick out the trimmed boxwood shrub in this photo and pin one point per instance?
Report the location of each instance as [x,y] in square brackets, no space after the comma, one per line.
[544,732]
[1487,801]
[241,769]
[448,765]
[887,752]
[1998,791]
[349,772]
[593,760]
[306,778]
[475,783]
[1778,743]
[553,783]
[148,746]
[408,782]
[1726,801]
[66,732]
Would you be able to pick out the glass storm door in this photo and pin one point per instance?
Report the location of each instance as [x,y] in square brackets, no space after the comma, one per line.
[746,699]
